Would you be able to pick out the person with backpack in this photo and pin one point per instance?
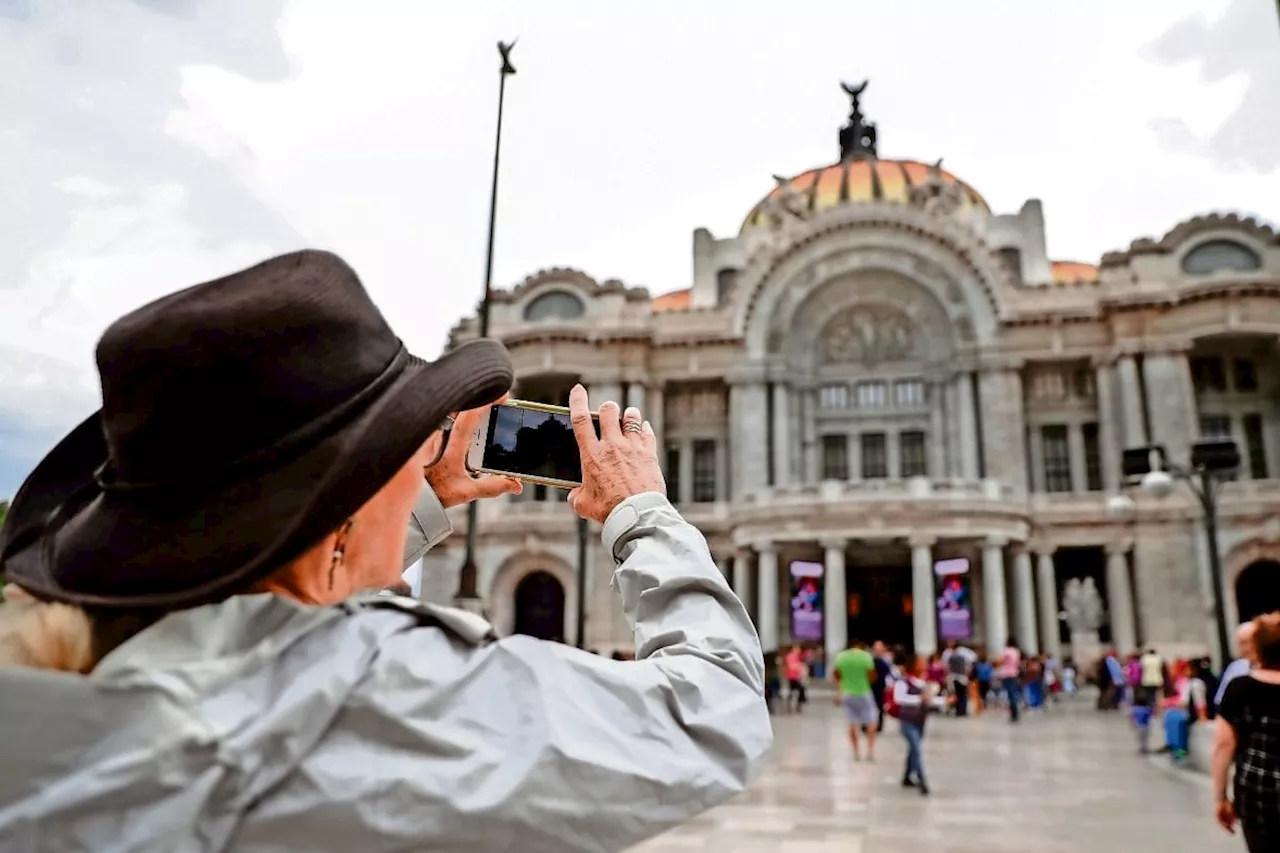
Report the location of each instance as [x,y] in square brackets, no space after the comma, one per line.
[958,661]
[909,699]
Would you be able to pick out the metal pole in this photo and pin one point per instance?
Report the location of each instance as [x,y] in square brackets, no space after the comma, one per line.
[581,583]
[467,579]
[1208,495]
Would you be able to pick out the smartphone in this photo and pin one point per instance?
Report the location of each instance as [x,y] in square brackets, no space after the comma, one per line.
[533,442]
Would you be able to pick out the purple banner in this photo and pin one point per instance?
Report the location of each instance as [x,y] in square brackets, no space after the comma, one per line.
[955,616]
[806,600]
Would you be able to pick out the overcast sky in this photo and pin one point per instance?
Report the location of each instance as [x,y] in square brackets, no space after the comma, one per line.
[149,144]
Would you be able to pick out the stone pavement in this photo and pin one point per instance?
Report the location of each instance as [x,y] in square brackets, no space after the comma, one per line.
[1066,781]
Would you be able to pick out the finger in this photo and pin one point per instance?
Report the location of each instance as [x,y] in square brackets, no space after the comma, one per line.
[610,425]
[574,494]
[465,426]
[584,430]
[649,438]
[631,423]
[491,487]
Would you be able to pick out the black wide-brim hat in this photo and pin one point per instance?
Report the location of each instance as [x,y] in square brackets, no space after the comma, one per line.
[243,421]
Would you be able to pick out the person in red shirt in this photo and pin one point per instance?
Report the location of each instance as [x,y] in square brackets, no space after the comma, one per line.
[795,669]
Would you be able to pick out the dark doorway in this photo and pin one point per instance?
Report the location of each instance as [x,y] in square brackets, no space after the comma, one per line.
[880,605]
[1083,562]
[1258,589]
[540,607]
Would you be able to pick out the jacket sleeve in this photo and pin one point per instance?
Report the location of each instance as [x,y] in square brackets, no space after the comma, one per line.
[428,526]
[539,747]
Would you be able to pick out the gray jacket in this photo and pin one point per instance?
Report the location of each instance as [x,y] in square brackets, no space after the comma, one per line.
[260,724]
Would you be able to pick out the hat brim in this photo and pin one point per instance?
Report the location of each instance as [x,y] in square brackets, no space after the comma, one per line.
[67,540]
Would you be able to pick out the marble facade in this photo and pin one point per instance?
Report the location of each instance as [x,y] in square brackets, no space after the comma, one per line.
[881,384]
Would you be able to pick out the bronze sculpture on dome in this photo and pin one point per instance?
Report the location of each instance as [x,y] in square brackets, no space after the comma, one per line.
[858,137]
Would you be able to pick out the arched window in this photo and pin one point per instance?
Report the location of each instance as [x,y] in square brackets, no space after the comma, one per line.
[726,281]
[1220,255]
[556,305]
[1012,257]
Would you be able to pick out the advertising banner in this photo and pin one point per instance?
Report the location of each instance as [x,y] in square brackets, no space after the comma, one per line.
[806,601]
[955,614]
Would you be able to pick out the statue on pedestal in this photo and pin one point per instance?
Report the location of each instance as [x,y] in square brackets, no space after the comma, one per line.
[1084,615]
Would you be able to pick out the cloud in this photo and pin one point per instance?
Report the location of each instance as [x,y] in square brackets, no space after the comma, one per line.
[117,189]
[1237,55]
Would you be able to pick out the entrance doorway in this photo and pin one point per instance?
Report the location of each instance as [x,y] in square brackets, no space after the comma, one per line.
[539,601]
[1258,589]
[880,605]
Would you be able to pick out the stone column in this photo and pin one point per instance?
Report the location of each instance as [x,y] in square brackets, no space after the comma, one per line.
[767,595]
[781,434]
[604,391]
[738,573]
[937,438]
[835,601]
[1003,427]
[1035,441]
[967,427]
[1120,598]
[993,594]
[1047,580]
[1133,430]
[809,429]
[749,437]
[1024,595]
[636,396]
[654,412]
[1171,396]
[1075,446]
[923,596]
[1109,429]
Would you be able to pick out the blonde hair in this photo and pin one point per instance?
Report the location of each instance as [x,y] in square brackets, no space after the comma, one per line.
[44,635]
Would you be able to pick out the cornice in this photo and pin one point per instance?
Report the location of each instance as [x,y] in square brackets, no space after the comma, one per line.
[1184,231]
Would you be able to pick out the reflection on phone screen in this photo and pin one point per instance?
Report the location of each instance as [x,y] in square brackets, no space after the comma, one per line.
[532,443]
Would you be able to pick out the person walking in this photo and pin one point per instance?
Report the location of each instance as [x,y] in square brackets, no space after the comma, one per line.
[912,694]
[1248,736]
[984,674]
[195,666]
[1009,671]
[854,671]
[884,668]
[796,671]
[958,661]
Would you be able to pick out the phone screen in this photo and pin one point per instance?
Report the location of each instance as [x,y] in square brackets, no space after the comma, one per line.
[533,443]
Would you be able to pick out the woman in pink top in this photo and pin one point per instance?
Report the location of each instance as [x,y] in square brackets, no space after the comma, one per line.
[794,668]
[1008,671]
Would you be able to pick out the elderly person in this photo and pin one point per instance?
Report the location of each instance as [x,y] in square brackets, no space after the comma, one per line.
[1248,735]
[195,668]
[1241,665]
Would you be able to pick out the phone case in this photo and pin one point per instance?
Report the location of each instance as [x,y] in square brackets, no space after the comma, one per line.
[530,478]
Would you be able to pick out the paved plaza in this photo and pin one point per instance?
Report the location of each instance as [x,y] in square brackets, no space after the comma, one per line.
[1064,782]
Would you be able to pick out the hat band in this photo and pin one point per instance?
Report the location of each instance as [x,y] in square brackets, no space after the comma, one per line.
[108,479]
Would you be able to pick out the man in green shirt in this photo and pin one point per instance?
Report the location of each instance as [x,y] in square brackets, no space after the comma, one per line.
[854,670]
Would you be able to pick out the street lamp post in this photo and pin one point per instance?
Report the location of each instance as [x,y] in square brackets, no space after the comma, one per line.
[581,632]
[1211,462]
[468,591]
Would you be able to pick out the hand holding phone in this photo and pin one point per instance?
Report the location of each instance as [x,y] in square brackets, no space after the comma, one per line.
[527,441]
[619,459]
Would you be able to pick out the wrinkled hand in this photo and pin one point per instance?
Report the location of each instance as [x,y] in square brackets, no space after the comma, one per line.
[1226,816]
[450,479]
[620,463]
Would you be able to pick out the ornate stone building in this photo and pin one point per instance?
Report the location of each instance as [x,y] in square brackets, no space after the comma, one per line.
[895,416]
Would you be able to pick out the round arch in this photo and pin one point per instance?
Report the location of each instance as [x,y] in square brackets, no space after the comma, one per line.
[1258,589]
[507,580]
[539,606]
[945,258]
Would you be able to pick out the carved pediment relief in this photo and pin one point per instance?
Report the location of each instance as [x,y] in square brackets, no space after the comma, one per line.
[868,335]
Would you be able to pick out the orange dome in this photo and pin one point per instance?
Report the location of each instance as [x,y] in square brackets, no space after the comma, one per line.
[860,180]
[677,300]
[1072,271]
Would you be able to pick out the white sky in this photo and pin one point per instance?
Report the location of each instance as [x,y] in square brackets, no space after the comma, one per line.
[150,144]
